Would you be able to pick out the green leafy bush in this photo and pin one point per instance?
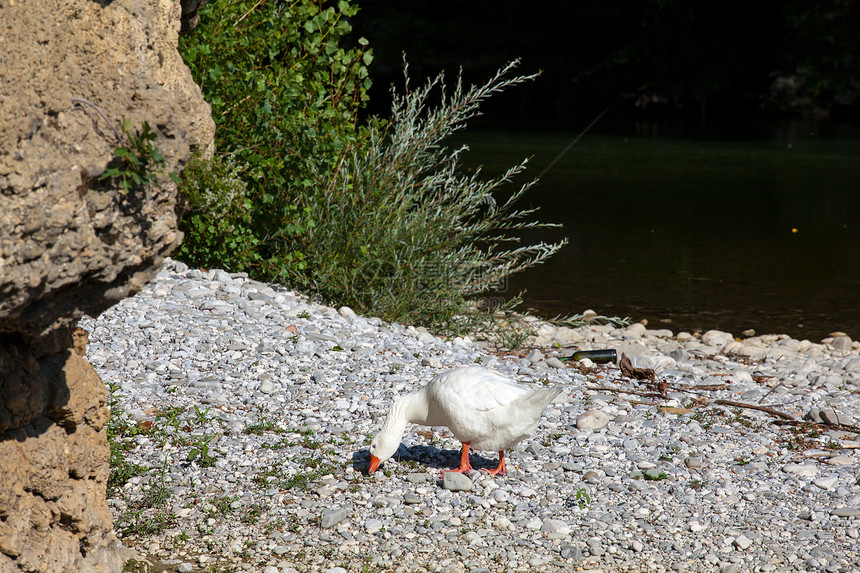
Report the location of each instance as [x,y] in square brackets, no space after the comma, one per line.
[215,214]
[284,98]
[375,216]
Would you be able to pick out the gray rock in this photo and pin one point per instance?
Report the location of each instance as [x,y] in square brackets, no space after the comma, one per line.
[552,525]
[813,415]
[693,462]
[593,419]
[331,517]
[830,416]
[742,542]
[841,343]
[716,338]
[846,512]
[534,356]
[455,481]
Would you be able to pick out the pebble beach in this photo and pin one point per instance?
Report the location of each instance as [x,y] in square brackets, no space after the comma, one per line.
[249,409]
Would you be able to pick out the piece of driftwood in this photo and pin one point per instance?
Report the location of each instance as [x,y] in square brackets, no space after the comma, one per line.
[771,411]
[625,391]
[630,371]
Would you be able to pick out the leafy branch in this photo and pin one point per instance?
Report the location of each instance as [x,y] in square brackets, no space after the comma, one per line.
[140,162]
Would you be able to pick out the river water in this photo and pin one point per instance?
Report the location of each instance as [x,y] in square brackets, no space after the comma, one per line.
[692,230]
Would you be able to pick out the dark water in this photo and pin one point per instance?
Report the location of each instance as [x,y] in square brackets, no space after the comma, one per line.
[695,232]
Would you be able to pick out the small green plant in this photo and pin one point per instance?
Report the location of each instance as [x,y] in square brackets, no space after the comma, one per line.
[146,515]
[119,430]
[201,416]
[220,506]
[138,164]
[265,424]
[200,452]
[253,514]
[583,500]
[650,476]
[696,484]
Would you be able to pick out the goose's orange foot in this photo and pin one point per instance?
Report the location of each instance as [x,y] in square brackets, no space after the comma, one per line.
[501,469]
[465,467]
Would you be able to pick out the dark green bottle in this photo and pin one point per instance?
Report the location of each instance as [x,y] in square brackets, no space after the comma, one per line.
[596,356]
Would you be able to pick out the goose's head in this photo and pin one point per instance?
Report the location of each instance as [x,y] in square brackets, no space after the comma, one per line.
[382,447]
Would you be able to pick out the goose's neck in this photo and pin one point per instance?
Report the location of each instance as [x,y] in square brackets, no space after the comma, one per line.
[410,408]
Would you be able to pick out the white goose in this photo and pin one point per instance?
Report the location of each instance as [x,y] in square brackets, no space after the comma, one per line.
[482,408]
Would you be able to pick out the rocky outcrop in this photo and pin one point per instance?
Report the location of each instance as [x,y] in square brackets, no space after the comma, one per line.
[73,243]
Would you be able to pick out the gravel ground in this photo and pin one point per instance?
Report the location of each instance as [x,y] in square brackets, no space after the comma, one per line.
[243,412]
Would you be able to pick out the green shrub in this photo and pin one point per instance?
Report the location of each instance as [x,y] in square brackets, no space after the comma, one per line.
[284,98]
[399,232]
[215,214]
[377,216]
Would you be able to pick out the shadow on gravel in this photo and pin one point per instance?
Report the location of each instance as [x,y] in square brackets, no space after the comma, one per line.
[428,456]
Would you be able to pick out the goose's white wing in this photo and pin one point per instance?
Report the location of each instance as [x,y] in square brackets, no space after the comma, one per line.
[475,388]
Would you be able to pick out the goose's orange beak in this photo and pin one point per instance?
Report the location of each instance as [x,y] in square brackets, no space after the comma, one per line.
[374,463]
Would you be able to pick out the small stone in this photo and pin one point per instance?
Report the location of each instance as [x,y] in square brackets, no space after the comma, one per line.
[813,415]
[802,470]
[555,363]
[410,498]
[346,312]
[306,347]
[471,537]
[335,570]
[637,546]
[553,525]
[455,481]
[266,387]
[319,378]
[534,356]
[846,512]
[742,542]
[269,569]
[730,569]
[826,482]
[185,568]
[841,343]
[453,567]
[655,474]
[593,419]
[331,517]
[571,552]
[829,416]
[693,462]
[716,338]
[372,525]
[635,330]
